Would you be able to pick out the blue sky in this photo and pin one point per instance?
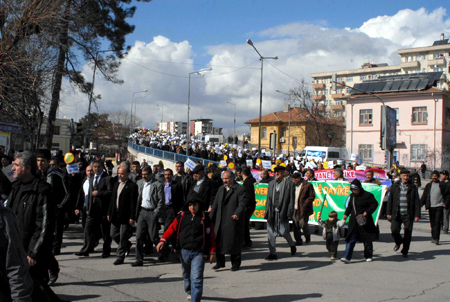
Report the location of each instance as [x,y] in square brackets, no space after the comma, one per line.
[174,38]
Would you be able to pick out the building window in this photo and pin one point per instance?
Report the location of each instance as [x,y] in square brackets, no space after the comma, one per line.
[264,132]
[284,131]
[365,117]
[56,130]
[56,146]
[419,115]
[349,79]
[363,77]
[418,152]
[339,80]
[419,58]
[365,152]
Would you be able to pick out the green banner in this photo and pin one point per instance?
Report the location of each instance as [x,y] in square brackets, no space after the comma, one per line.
[330,196]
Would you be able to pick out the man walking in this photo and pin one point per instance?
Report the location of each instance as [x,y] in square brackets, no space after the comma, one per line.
[150,206]
[435,197]
[185,180]
[279,209]
[122,213]
[249,185]
[403,207]
[445,223]
[96,211]
[303,207]
[228,216]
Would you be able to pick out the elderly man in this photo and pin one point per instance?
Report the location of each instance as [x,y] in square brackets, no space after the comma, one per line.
[122,213]
[338,174]
[303,206]
[228,216]
[279,209]
[370,179]
[403,207]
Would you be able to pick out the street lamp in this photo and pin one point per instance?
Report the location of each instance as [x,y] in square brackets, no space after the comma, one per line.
[234,131]
[289,127]
[86,131]
[261,58]
[135,112]
[131,110]
[188,134]
[162,113]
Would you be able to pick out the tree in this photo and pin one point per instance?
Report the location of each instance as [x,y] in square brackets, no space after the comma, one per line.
[321,129]
[82,27]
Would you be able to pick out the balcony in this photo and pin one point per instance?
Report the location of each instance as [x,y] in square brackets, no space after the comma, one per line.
[337,107]
[318,86]
[318,97]
[410,64]
[437,61]
[337,95]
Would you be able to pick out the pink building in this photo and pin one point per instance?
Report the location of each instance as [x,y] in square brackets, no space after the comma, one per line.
[423,117]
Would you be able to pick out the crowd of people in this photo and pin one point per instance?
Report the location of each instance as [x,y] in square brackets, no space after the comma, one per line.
[190,216]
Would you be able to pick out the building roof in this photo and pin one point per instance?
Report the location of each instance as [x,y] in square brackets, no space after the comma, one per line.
[397,83]
[297,115]
[394,93]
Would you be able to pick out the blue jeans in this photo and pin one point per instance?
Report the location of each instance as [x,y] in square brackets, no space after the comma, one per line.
[368,247]
[193,266]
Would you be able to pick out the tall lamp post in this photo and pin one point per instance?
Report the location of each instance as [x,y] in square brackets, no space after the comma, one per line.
[135,102]
[261,58]
[289,126]
[86,130]
[131,110]
[162,112]
[188,134]
[234,129]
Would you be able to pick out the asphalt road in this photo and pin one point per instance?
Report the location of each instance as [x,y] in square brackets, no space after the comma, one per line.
[307,276]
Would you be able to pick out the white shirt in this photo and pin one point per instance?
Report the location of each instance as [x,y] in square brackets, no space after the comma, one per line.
[86,191]
[297,194]
[146,196]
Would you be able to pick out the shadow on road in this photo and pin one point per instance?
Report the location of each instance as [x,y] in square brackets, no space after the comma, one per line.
[274,298]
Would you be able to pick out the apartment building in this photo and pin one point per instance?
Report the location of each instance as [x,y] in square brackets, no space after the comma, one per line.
[432,58]
[172,127]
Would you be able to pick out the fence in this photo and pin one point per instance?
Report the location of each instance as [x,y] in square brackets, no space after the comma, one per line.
[171,156]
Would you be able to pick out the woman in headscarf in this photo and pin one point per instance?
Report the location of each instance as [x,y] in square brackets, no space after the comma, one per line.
[360,202]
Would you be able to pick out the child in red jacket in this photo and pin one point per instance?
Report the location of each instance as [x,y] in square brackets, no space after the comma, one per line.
[195,239]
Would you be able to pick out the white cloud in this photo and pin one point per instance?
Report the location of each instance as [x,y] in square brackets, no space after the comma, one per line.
[302,49]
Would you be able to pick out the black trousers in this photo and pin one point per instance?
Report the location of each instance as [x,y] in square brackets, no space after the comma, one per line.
[147,226]
[436,218]
[170,216]
[236,259]
[302,225]
[93,224]
[59,229]
[121,233]
[248,215]
[396,225]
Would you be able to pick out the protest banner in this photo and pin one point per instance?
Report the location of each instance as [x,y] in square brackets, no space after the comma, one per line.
[73,168]
[330,196]
[327,174]
[190,164]
[267,164]
[9,172]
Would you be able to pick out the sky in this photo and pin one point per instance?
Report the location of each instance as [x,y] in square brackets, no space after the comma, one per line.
[174,38]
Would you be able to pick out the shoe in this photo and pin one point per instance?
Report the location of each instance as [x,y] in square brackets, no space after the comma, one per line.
[308,240]
[345,260]
[396,247]
[332,258]
[293,250]
[137,263]
[81,254]
[272,257]
[188,297]
[162,258]
[405,255]
[105,255]
[118,262]
[436,242]
[234,268]
[52,279]
[369,260]
[217,266]
[432,241]
[298,243]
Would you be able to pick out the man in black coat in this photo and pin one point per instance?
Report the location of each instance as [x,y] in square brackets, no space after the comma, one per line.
[228,216]
[363,203]
[96,211]
[202,188]
[435,197]
[122,213]
[182,178]
[249,185]
[403,207]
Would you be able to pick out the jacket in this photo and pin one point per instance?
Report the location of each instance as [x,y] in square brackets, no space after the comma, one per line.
[412,197]
[127,203]
[177,196]
[99,206]
[305,201]
[426,195]
[205,194]
[15,281]
[229,232]
[156,197]
[364,202]
[286,201]
[209,238]
[186,181]
[37,211]
[249,185]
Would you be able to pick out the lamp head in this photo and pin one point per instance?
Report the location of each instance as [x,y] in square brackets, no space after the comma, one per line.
[249,42]
[275,58]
